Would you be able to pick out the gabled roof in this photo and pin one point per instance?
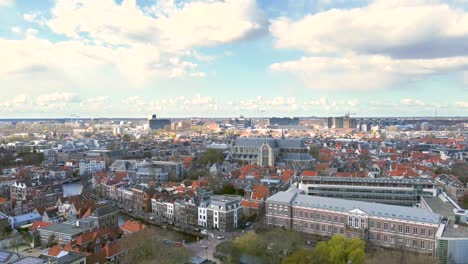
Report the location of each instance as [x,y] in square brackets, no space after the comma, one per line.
[132,226]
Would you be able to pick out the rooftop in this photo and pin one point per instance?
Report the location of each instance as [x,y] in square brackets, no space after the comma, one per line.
[63,228]
[373,209]
[438,206]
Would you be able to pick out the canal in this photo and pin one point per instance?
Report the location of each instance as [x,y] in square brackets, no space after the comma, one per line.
[75,188]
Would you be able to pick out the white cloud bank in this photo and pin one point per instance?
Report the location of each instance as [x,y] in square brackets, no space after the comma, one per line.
[123,42]
[381,45]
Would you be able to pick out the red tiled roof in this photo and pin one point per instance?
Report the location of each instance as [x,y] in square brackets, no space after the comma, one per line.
[3,199]
[322,166]
[132,226]
[309,173]
[252,204]
[55,250]
[38,224]
[112,248]
[260,192]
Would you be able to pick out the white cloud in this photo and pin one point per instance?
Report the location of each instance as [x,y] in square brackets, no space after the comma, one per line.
[199,100]
[279,100]
[16,30]
[463,104]
[170,26]
[378,46]
[6,2]
[130,52]
[56,98]
[365,72]
[395,28]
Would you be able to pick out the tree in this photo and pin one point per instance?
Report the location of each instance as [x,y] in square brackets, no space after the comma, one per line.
[51,241]
[211,156]
[145,247]
[314,151]
[301,256]
[248,244]
[228,189]
[340,250]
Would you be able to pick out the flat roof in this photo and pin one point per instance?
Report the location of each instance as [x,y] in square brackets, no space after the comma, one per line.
[440,207]
[455,231]
[63,228]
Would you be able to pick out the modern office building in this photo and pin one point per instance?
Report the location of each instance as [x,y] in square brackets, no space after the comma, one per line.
[155,123]
[407,192]
[380,224]
[283,121]
[267,151]
[452,235]
[220,211]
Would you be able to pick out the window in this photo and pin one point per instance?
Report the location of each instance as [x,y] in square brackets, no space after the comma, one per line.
[415,230]
[317,227]
[393,240]
[350,221]
[356,222]
[371,236]
[363,223]
[392,227]
[335,219]
[385,239]
[329,218]
[306,225]
[431,246]
[342,220]
[415,243]
[423,232]
[300,213]
[378,236]
[323,217]
[407,242]
[323,228]
[385,226]
[378,225]
[306,215]
[423,245]
[430,233]
[335,230]
[407,229]
[371,224]
[329,229]
[341,230]
[400,229]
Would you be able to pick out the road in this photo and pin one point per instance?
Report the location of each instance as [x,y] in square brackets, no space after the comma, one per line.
[206,248]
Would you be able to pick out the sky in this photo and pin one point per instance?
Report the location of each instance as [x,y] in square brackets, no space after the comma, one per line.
[214,58]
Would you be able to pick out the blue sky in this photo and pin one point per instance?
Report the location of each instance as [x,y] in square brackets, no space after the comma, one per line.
[132,58]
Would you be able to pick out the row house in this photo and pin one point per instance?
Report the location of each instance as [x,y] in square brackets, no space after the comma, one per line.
[142,195]
[221,212]
[379,224]
[87,167]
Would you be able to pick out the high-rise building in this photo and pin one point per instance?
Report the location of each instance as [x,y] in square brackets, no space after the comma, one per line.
[158,123]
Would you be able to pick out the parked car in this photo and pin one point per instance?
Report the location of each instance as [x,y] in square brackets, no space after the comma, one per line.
[220,237]
[151,218]
[248,224]
[204,232]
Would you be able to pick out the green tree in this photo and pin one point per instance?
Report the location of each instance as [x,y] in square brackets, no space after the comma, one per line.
[228,189]
[211,156]
[249,244]
[340,250]
[301,256]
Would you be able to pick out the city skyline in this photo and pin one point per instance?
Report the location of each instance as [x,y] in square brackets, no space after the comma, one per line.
[257,58]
